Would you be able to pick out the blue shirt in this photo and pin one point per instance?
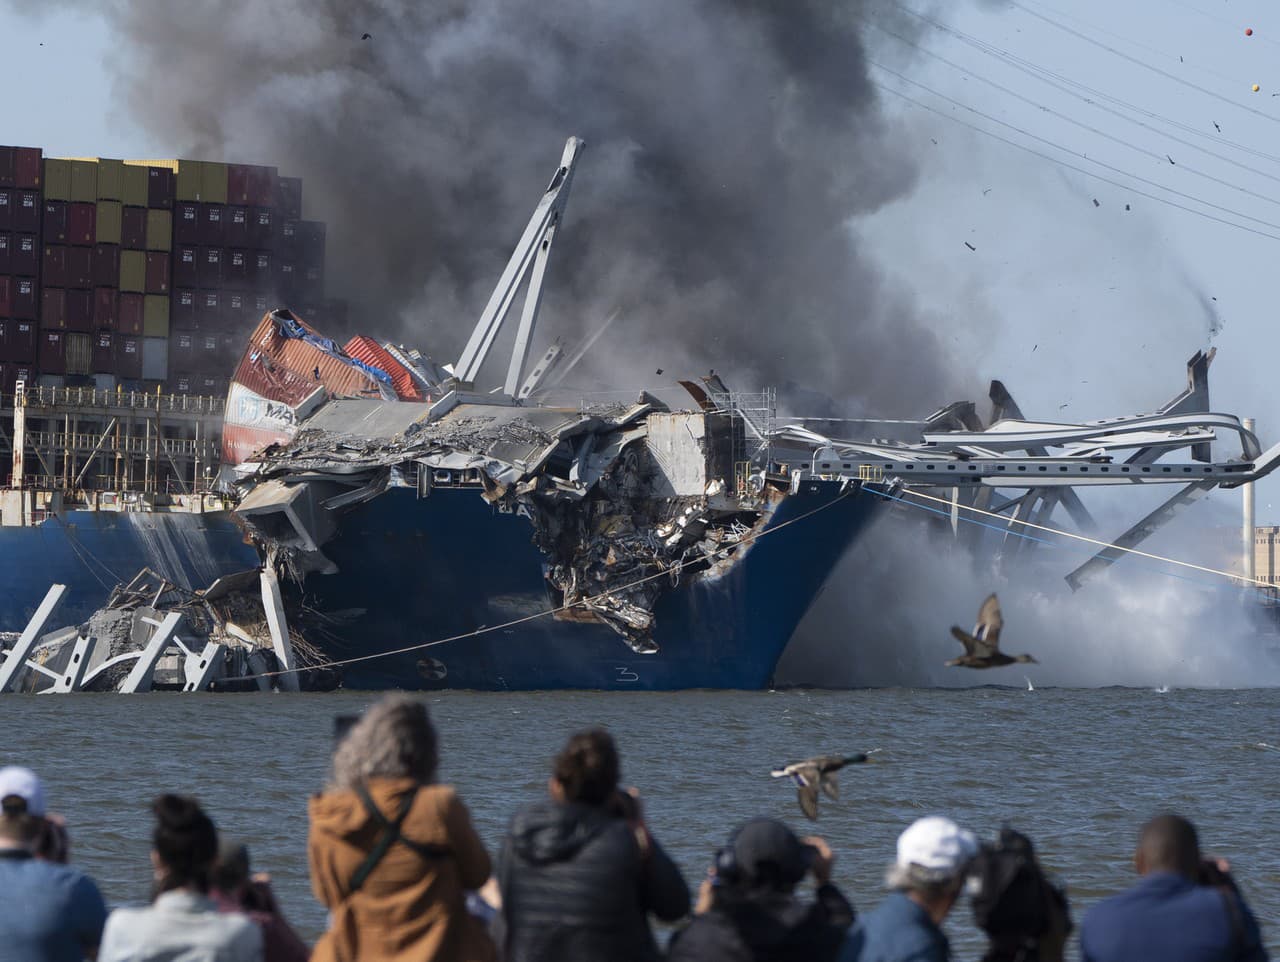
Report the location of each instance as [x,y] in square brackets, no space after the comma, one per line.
[1166,918]
[896,930]
[48,912]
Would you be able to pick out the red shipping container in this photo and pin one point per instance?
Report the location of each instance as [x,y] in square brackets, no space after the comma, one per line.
[157,272]
[26,212]
[53,358]
[53,311]
[79,267]
[105,307]
[27,162]
[289,197]
[8,166]
[128,356]
[235,272]
[209,310]
[182,350]
[80,311]
[22,291]
[186,222]
[235,227]
[238,191]
[129,317]
[6,208]
[24,255]
[104,353]
[262,186]
[55,222]
[369,351]
[262,232]
[186,272]
[23,337]
[261,272]
[54,273]
[106,265]
[133,228]
[159,188]
[182,308]
[210,267]
[6,244]
[6,296]
[81,223]
[212,217]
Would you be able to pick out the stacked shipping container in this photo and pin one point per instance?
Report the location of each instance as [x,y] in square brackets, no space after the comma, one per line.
[146,272]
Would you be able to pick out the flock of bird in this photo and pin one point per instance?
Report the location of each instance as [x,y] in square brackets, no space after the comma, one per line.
[981,650]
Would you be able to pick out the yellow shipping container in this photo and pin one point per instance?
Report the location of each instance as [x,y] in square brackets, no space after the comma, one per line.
[189,178]
[171,164]
[84,181]
[110,179]
[213,183]
[108,223]
[133,272]
[155,315]
[159,230]
[134,189]
[57,179]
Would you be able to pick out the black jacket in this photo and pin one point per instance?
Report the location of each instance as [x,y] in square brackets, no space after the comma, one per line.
[575,887]
[770,928]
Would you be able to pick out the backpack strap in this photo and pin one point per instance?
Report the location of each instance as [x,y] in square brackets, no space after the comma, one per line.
[390,835]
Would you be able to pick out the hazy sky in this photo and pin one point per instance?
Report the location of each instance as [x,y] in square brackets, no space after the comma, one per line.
[1092,307]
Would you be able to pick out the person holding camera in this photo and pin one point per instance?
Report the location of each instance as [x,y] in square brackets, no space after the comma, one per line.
[748,910]
[235,889]
[1025,915]
[580,872]
[1185,908]
[934,855]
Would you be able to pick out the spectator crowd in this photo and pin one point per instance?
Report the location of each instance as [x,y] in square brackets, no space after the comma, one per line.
[580,877]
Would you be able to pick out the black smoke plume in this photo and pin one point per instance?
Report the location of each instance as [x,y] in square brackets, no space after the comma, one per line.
[730,143]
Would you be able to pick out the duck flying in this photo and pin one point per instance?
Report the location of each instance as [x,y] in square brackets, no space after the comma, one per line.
[814,774]
[982,647]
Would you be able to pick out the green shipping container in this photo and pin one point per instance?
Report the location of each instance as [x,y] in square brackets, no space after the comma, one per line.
[110,179]
[188,180]
[133,272]
[213,183]
[57,179]
[155,315]
[108,222]
[134,189]
[84,181]
[159,230]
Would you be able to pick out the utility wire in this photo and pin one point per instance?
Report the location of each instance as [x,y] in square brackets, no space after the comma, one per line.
[1036,70]
[1084,126]
[1078,169]
[1134,60]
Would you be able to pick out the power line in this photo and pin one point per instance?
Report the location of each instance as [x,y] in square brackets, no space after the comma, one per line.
[1069,166]
[1034,69]
[1082,156]
[1084,126]
[1134,60]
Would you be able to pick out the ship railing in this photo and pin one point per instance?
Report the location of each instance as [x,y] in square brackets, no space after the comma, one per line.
[87,397]
[126,444]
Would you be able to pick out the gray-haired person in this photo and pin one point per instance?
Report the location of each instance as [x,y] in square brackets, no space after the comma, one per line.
[926,879]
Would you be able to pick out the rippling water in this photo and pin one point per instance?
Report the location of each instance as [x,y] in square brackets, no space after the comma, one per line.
[1078,770]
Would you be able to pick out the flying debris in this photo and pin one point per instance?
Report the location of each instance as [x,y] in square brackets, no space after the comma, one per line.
[985,192]
[1256,88]
[1033,348]
[659,372]
[1170,159]
[970,246]
[1126,207]
[817,773]
[1248,31]
[1216,127]
[982,647]
[364,36]
[1095,202]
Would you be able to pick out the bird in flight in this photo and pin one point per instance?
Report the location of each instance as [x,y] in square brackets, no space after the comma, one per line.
[982,646]
[817,773]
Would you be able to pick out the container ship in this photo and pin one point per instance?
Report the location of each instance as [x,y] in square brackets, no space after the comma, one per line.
[126,290]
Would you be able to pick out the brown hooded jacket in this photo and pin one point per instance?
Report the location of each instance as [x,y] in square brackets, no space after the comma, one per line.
[411,906]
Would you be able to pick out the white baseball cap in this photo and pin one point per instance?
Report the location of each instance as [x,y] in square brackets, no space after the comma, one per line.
[26,784]
[936,847]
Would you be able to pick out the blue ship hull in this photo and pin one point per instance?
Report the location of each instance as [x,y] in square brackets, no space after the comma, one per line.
[432,568]
[92,551]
